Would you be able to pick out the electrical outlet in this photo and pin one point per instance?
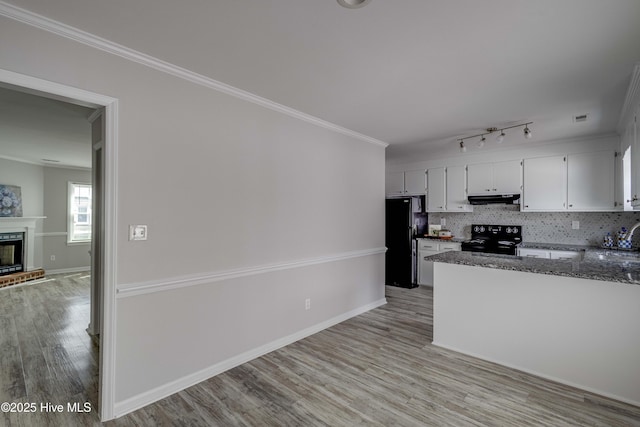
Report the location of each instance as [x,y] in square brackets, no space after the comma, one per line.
[53,258]
[307,304]
[575,225]
[443,222]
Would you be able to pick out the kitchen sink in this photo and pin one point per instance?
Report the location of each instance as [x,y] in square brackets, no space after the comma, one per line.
[624,257]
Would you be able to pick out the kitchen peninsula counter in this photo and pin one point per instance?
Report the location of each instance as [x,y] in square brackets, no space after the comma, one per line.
[575,322]
[591,266]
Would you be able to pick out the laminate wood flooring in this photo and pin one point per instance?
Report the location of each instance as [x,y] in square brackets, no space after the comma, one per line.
[46,355]
[380,369]
[377,369]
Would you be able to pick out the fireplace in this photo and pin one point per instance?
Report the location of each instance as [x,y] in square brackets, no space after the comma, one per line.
[11,253]
[23,247]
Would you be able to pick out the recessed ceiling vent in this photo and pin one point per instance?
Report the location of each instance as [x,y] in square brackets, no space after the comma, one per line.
[580,118]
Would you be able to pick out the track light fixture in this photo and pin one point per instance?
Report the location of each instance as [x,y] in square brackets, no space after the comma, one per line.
[499,138]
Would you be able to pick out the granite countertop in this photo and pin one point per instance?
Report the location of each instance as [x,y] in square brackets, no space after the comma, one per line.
[596,264]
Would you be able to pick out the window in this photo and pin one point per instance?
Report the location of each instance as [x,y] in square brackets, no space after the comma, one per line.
[79,213]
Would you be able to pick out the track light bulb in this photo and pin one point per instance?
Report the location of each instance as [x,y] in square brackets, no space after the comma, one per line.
[481,142]
[463,149]
[527,132]
[500,138]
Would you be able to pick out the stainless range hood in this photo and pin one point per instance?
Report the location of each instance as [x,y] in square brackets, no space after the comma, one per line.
[490,199]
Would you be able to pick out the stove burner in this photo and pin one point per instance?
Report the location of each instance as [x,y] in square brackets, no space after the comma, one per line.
[496,239]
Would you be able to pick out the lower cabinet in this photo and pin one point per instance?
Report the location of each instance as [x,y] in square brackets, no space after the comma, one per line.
[549,254]
[427,247]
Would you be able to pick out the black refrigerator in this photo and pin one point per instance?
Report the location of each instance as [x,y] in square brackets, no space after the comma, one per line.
[404,218]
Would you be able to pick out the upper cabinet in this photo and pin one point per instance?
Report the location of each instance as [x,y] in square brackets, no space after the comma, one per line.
[447,190]
[415,183]
[494,178]
[436,190]
[630,132]
[591,181]
[579,182]
[456,190]
[631,138]
[545,184]
[409,183]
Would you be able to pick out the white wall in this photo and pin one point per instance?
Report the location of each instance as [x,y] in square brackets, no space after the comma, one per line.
[56,204]
[224,185]
[29,178]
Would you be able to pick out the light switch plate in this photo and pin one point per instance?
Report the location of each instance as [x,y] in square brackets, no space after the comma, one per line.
[137,232]
[575,225]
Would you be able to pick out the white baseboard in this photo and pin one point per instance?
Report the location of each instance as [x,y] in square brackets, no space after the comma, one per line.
[540,374]
[67,270]
[146,398]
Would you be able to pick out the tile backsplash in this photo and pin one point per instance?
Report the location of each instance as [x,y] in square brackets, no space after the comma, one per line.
[541,227]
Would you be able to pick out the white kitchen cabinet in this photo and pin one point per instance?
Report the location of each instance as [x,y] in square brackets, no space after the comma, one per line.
[415,182]
[427,247]
[549,254]
[449,246]
[533,253]
[480,178]
[591,181]
[494,178]
[407,183]
[545,184]
[565,255]
[436,190]
[631,138]
[456,190]
[394,184]
[507,177]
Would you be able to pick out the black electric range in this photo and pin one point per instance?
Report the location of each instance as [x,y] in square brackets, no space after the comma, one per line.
[495,239]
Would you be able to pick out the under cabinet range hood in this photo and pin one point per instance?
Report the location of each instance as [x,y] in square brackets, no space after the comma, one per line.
[490,199]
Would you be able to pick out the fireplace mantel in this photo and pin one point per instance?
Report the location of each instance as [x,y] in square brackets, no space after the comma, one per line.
[26,225]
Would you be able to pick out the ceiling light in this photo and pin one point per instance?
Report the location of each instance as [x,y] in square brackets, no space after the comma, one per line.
[353,4]
[499,138]
[481,142]
[463,149]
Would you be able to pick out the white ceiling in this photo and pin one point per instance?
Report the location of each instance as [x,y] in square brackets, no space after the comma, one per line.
[414,73]
[44,131]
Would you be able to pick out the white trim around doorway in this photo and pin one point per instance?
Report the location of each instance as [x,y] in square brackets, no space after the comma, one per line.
[110,105]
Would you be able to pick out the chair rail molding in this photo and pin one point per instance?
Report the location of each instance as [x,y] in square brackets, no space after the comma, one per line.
[133,289]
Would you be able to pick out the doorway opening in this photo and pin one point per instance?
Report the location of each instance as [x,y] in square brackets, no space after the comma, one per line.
[103,149]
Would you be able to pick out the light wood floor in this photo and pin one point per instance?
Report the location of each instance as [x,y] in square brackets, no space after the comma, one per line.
[376,369]
[46,354]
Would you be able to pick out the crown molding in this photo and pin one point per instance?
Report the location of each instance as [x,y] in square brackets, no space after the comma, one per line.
[60,29]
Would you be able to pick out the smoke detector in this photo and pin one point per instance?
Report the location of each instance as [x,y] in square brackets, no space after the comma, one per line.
[580,118]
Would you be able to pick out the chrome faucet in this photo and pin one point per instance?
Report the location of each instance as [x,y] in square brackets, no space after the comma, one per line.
[630,232]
